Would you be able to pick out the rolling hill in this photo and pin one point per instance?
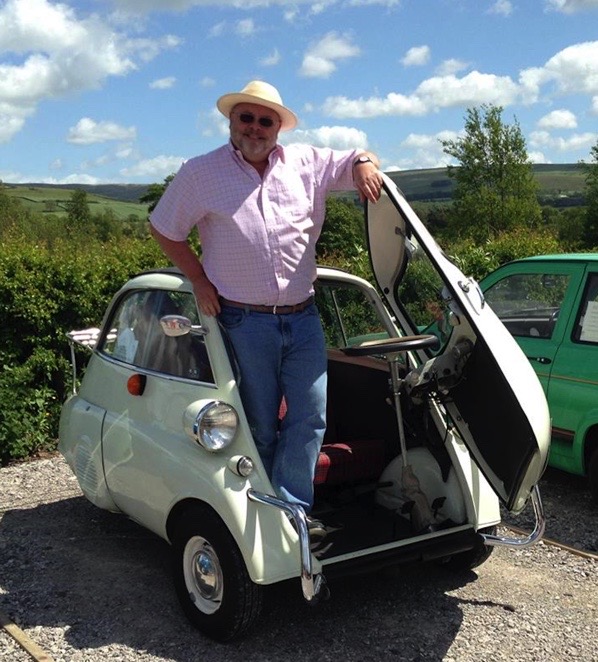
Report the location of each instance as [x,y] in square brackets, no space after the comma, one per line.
[560,185]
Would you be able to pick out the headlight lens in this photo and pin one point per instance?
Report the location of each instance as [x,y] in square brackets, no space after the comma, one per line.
[215,426]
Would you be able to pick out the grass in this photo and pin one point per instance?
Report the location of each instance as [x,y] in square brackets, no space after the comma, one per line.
[53,200]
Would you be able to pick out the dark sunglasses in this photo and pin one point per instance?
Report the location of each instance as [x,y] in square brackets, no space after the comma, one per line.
[249,118]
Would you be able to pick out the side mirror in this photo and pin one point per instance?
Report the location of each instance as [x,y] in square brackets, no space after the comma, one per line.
[174,326]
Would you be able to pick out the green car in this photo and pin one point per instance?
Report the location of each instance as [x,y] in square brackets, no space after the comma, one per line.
[550,305]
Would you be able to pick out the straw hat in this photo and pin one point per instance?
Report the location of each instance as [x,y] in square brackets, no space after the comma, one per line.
[264,94]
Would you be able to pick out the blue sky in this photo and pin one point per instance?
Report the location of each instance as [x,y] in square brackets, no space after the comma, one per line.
[105,91]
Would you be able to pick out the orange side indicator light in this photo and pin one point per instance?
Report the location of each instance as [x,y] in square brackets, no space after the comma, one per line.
[136,384]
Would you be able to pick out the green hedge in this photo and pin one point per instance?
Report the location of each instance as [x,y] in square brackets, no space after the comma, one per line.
[45,292]
[49,289]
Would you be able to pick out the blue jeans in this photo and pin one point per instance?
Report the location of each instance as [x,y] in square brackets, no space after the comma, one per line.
[282,355]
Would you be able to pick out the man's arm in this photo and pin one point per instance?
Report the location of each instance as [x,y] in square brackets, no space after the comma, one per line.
[182,256]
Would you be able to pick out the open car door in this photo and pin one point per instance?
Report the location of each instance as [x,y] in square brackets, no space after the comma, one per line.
[498,405]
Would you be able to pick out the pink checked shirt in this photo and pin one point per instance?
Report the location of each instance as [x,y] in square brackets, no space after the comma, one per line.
[258,236]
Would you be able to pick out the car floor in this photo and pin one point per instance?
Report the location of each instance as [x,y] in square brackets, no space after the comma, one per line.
[356,525]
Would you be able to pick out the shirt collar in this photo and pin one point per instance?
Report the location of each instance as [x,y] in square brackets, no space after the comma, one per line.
[277,152]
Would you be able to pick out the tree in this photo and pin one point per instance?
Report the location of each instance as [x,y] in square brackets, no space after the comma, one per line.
[106,225]
[569,227]
[590,234]
[495,186]
[77,209]
[155,192]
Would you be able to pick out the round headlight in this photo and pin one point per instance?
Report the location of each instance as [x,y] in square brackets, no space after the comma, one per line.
[215,426]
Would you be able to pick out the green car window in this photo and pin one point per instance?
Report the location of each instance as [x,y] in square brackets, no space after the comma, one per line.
[528,304]
[586,328]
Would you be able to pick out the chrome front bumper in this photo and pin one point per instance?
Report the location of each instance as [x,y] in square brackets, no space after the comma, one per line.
[313,586]
[533,537]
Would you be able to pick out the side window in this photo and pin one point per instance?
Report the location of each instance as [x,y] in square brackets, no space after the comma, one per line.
[529,304]
[136,336]
[347,316]
[586,328]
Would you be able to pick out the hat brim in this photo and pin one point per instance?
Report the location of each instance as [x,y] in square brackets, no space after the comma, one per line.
[227,102]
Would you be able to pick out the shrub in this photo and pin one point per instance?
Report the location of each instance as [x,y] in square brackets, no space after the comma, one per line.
[479,260]
[45,292]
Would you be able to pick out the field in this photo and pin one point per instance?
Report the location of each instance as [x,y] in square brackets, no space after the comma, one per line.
[560,185]
[46,199]
[555,181]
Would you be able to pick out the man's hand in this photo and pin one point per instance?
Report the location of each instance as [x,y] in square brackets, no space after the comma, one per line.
[206,296]
[367,178]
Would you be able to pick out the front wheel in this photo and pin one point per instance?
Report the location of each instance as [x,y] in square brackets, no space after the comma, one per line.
[210,577]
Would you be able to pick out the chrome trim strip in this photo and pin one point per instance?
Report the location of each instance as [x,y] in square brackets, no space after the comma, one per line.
[311,584]
[533,537]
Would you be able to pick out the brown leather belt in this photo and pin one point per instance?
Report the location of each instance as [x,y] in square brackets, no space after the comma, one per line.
[272,310]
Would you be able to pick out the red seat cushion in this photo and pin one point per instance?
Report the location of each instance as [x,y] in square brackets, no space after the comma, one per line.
[350,461]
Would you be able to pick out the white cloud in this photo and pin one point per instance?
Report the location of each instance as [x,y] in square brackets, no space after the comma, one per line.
[12,118]
[88,132]
[425,150]
[163,83]
[271,60]
[245,27]
[433,94]
[543,139]
[336,137]
[53,54]
[451,67]
[416,56]
[427,141]
[125,151]
[572,6]
[558,119]
[594,110]
[392,104]
[148,49]
[217,30]
[69,179]
[321,58]
[502,8]
[315,6]
[472,89]
[157,168]
[572,70]
[537,157]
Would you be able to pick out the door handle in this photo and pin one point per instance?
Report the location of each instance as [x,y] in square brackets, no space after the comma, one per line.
[544,360]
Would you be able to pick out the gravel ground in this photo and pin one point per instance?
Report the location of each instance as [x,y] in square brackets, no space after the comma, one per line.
[86,585]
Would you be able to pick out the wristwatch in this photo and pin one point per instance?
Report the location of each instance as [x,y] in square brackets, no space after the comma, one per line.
[362,159]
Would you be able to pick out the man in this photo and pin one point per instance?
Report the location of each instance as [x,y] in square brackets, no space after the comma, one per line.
[259,209]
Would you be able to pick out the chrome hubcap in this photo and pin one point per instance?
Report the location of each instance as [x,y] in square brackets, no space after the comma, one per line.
[203,575]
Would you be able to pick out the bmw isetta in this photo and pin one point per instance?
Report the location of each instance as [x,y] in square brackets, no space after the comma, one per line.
[435,421]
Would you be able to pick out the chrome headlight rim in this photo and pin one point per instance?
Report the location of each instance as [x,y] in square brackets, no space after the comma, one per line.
[215,426]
